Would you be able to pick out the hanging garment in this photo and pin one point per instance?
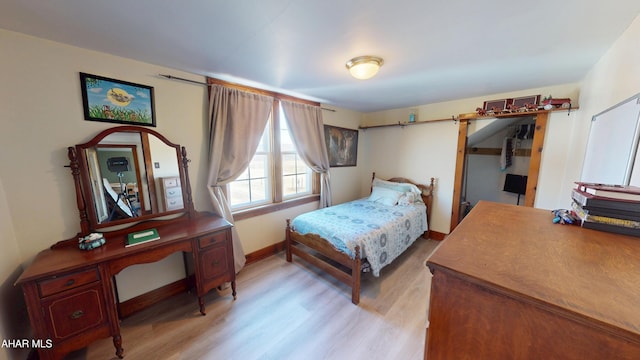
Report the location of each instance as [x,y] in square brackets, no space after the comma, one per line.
[507,153]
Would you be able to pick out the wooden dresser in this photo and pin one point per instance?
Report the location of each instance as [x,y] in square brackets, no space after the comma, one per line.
[509,284]
[171,193]
[70,294]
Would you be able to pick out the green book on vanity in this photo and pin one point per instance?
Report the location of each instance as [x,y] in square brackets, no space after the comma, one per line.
[141,237]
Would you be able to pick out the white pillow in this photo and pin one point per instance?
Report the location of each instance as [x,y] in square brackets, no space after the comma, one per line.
[384,196]
[402,187]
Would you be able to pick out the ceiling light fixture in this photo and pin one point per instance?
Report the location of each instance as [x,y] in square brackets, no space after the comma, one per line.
[364,67]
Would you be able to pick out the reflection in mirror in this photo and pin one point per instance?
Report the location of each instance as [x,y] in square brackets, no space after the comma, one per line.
[126,172]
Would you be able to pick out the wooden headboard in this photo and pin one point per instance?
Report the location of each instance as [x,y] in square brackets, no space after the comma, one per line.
[427,192]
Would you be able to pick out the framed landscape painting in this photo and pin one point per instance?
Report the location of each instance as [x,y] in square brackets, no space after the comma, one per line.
[342,146]
[117,101]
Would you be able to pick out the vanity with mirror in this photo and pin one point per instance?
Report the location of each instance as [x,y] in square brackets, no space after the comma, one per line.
[129,180]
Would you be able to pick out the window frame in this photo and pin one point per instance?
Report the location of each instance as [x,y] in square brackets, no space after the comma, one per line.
[277,202]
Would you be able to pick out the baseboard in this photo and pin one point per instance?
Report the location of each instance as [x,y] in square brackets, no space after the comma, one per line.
[434,235]
[264,253]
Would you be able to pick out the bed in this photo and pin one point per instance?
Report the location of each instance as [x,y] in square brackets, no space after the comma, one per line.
[362,235]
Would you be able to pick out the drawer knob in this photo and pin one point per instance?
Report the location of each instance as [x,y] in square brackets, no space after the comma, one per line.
[70,282]
[77,314]
[215,262]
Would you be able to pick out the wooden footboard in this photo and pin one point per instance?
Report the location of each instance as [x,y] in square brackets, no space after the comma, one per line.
[316,250]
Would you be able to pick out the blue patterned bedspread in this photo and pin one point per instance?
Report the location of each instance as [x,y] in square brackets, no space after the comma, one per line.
[383,232]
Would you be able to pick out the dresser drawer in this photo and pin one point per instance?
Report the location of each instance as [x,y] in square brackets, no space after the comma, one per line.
[170,182]
[217,238]
[174,203]
[66,282]
[173,192]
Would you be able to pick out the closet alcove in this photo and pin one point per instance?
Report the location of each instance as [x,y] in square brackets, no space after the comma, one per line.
[497,160]
[507,125]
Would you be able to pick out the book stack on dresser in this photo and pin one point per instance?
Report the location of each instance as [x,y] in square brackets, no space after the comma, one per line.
[612,208]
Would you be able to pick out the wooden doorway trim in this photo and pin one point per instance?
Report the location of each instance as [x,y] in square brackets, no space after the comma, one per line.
[534,163]
[536,157]
[458,178]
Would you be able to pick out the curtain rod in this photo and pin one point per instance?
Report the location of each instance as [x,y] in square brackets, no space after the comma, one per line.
[171,77]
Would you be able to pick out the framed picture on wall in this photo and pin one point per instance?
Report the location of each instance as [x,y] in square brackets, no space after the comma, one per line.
[496,104]
[117,101]
[523,101]
[342,145]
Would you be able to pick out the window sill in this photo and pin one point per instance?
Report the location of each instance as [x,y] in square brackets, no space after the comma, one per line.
[266,209]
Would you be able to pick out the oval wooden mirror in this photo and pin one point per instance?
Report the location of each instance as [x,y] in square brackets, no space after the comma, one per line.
[127,174]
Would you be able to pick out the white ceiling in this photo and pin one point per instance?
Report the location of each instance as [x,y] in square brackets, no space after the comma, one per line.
[434,50]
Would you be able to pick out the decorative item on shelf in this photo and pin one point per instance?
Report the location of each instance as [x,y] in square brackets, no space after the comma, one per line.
[526,103]
[497,106]
[531,107]
[550,103]
[481,111]
[511,108]
[496,110]
[413,114]
[91,241]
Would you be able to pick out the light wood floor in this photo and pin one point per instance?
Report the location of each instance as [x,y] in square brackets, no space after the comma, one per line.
[288,311]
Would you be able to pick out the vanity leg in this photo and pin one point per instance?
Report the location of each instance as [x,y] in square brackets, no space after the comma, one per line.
[201,303]
[117,342]
[233,289]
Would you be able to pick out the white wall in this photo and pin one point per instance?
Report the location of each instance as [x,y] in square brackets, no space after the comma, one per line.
[417,152]
[42,115]
[614,78]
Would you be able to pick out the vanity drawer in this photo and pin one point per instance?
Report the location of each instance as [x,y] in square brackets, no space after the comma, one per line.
[75,313]
[212,239]
[214,263]
[66,282]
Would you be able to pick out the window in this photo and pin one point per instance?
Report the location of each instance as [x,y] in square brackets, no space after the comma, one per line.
[276,173]
[252,187]
[296,175]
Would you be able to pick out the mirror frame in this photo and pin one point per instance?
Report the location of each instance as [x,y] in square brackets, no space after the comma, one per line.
[84,194]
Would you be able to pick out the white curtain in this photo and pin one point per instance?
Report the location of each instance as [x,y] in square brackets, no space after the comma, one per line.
[307,132]
[237,120]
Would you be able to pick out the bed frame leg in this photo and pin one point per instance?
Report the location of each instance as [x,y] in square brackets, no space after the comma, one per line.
[356,271]
[287,241]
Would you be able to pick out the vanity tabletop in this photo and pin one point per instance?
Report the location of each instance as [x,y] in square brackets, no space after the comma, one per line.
[174,235]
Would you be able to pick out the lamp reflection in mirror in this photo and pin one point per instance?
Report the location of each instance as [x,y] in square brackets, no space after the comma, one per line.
[364,67]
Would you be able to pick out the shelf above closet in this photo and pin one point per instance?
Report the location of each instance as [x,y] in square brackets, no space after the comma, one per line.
[469,116]
[476,116]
